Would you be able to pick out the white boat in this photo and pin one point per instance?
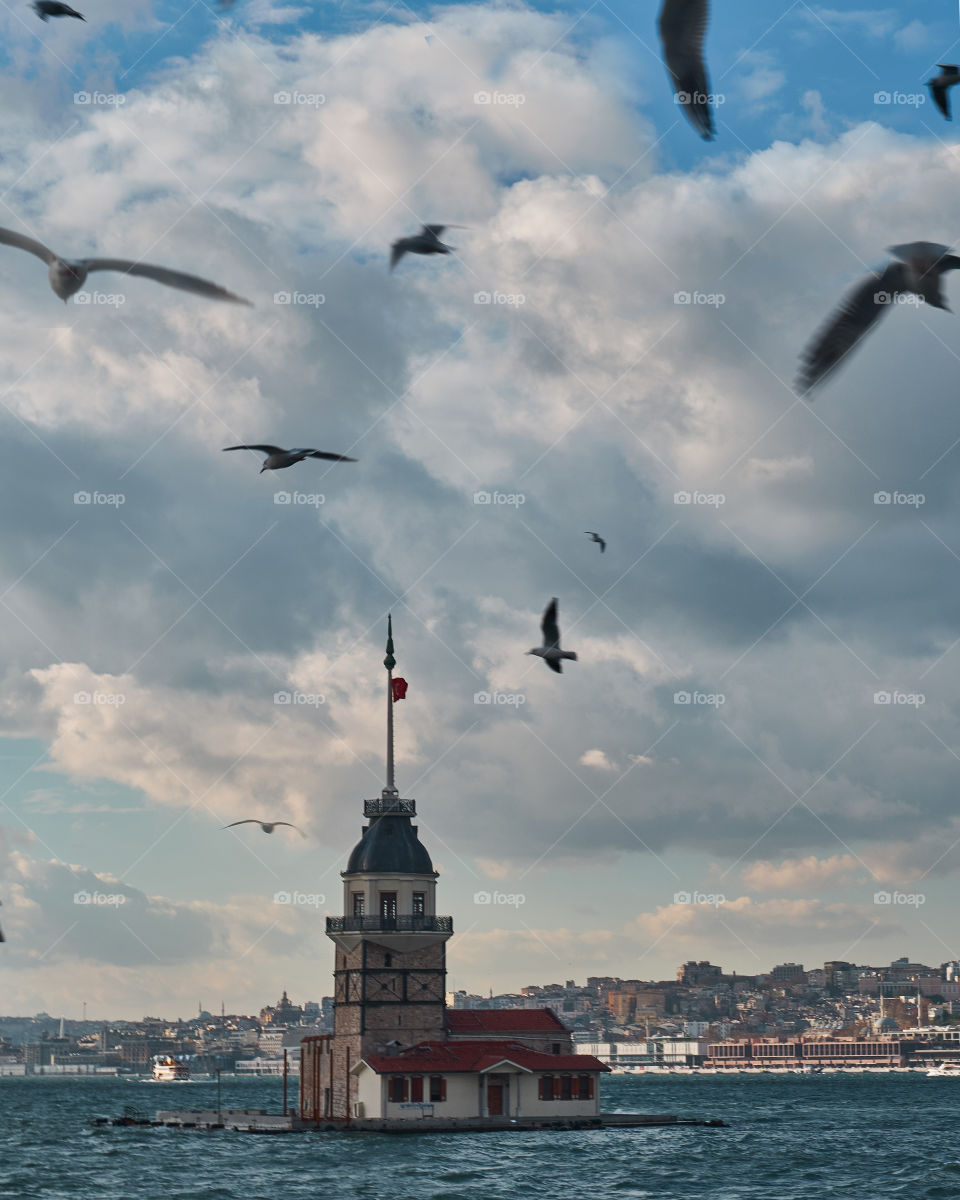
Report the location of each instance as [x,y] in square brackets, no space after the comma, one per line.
[947,1068]
[167,1069]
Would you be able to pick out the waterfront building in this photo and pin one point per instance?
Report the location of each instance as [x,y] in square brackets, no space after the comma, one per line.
[397,1051]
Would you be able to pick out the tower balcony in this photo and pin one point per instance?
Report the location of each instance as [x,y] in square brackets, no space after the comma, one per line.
[407,923]
[389,806]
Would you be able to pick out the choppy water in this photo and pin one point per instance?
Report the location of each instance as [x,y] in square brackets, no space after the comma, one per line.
[791,1138]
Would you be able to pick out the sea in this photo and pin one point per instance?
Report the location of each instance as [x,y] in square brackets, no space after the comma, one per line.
[791,1137]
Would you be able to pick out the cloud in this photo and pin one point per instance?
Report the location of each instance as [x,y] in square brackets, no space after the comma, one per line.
[598,760]
[804,874]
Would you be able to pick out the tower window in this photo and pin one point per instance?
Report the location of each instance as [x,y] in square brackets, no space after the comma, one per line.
[418,904]
[359,904]
[388,906]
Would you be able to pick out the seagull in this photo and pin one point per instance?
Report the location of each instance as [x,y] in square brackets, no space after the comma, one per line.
[278,458]
[683,24]
[266,826]
[53,8]
[550,651]
[69,275]
[427,241]
[595,537]
[940,86]
[916,271]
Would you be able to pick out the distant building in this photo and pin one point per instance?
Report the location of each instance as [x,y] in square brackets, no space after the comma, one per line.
[697,974]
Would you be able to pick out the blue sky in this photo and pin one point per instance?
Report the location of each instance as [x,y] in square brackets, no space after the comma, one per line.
[596,399]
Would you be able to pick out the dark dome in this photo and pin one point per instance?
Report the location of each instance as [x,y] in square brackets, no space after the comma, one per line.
[390,846]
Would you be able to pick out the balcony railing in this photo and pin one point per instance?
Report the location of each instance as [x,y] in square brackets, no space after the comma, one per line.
[402,924]
[387,805]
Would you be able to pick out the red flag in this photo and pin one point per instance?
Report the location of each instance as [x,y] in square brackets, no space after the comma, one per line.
[399,689]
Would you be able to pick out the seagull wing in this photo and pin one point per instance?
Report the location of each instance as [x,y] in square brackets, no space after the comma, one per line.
[248,821]
[433,230]
[554,665]
[857,314]
[292,826]
[262,449]
[941,97]
[10,238]
[549,626]
[683,26]
[176,279]
[323,454]
[397,251]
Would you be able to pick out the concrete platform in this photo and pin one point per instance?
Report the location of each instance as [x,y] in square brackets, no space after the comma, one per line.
[252,1120]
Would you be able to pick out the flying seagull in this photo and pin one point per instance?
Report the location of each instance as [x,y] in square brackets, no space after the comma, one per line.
[266,826]
[69,275]
[278,458]
[550,651]
[916,270]
[595,537]
[427,241]
[940,86]
[683,25]
[53,8]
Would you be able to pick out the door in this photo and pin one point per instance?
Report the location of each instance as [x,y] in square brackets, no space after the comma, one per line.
[494,1099]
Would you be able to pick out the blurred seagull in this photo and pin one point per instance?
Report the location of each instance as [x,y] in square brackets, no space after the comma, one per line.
[916,271]
[940,86]
[278,458]
[550,651]
[683,24]
[266,826]
[69,275]
[595,537]
[427,241]
[53,8]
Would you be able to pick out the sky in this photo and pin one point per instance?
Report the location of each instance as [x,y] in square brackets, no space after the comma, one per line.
[755,757]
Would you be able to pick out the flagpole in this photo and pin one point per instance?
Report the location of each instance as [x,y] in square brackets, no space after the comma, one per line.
[390,662]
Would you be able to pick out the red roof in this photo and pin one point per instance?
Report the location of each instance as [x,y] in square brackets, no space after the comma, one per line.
[503,1020]
[444,1058]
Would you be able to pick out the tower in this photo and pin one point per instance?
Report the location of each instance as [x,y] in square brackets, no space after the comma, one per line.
[390,957]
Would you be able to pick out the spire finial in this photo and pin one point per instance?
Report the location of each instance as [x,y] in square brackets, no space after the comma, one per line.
[390,662]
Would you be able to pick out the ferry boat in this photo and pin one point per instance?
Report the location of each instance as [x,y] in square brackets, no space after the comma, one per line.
[947,1068]
[167,1069]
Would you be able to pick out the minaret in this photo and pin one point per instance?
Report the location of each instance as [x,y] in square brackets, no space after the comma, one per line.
[390,961]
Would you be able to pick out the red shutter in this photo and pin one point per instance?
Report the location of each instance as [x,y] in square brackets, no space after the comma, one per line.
[575,1088]
[416,1088]
[406,1086]
[557,1087]
[543,1087]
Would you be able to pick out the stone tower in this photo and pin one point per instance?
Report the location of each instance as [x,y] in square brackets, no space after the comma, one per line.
[390,958]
